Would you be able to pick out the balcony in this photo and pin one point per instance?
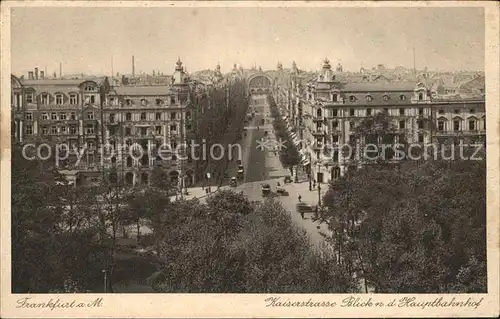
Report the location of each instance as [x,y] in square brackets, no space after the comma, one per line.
[318,131]
[318,118]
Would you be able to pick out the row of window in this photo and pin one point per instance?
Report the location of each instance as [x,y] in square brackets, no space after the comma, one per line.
[59,99]
[457,125]
[369,112]
[369,98]
[59,116]
[143,116]
[144,102]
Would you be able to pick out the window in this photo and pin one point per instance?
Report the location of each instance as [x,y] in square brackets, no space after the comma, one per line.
[401,111]
[335,98]
[158,130]
[129,161]
[188,115]
[421,111]
[89,130]
[63,130]
[128,101]
[402,97]
[368,111]
[456,125]
[53,130]
[352,98]
[335,124]
[172,100]
[144,102]
[335,112]
[53,116]
[28,116]
[144,131]
[112,117]
[173,127]
[173,115]
[420,124]
[45,116]
[472,125]
[29,129]
[369,98]
[386,110]
[62,116]
[73,99]
[386,98]
[59,99]
[159,102]
[401,124]
[45,130]
[351,112]
[158,116]
[73,116]
[45,99]
[128,131]
[441,111]
[29,98]
[128,116]
[188,126]
[456,111]
[73,130]
[92,99]
[174,158]
[441,126]
[420,96]
[173,145]
[143,116]
[420,138]
[90,115]
[472,111]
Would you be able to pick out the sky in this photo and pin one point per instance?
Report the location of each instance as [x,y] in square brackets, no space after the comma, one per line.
[98,40]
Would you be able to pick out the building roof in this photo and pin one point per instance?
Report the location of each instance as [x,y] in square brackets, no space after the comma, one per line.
[379,87]
[142,90]
[56,82]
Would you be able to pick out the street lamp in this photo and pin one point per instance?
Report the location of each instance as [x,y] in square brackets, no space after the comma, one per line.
[105,280]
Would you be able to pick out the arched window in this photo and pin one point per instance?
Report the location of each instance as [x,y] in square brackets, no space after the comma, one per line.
[128,116]
[369,98]
[143,116]
[129,161]
[420,96]
[335,98]
[145,160]
[319,113]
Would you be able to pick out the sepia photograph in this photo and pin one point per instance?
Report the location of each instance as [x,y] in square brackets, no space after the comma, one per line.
[248,149]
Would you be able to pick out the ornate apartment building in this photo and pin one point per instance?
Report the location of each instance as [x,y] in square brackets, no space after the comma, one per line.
[324,114]
[90,114]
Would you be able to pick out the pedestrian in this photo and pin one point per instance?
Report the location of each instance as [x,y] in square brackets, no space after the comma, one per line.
[314,183]
[300,199]
[302,214]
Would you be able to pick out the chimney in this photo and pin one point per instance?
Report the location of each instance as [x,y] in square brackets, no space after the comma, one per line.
[42,74]
[36,73]
[30,75]
[133,67]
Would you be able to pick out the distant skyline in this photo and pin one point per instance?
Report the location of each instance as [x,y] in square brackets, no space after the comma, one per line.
[84,40]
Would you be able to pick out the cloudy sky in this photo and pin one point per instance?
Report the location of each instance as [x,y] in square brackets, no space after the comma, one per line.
[86,39]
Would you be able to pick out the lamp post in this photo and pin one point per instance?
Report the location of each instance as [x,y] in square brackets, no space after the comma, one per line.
[105,280]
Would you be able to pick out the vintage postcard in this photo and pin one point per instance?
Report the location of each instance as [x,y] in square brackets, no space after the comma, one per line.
[249,159]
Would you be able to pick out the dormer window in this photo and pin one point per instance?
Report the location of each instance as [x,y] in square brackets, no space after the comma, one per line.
[128,101]
[352,98]
[402,97]
[386,98]
[159,102]
[335,98]
[420,96]
[369,98]
[128,116]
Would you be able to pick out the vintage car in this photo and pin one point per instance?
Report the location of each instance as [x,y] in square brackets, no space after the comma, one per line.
[266,189]
[304,208]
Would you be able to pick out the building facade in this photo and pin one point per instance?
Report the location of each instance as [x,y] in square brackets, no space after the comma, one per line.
[122,129]
[323,116]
